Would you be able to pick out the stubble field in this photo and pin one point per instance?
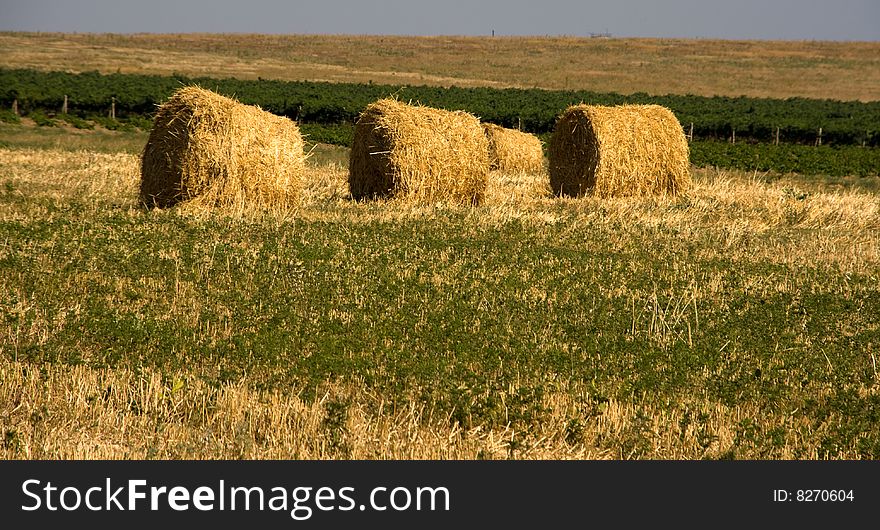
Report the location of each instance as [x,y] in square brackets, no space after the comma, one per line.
[738,321]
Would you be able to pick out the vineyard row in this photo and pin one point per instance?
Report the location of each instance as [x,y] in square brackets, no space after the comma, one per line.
[793,120]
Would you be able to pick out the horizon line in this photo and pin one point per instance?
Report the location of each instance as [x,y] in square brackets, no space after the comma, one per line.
[590,36]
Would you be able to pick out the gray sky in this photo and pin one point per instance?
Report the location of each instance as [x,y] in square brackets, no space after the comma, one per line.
[729,19]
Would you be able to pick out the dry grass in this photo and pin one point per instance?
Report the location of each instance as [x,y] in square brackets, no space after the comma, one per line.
[732,207]
[211,150]
[836,70]
[61,175]
[617,151]
[52,412]
[837,228]
[513,151]
[418,154]
[76,412]
[513,190]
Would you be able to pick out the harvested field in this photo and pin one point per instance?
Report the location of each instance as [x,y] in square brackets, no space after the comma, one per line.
[834,70]
[532,326]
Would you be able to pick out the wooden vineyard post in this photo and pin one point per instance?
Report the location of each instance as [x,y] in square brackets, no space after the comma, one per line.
[733,137]
[64,106]
[113,108]
[776,140]
[691,133]
[819,137]
[15,106]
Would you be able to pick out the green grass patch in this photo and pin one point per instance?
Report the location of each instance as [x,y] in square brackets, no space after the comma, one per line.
[112,124]
[41,119]
[77,122]
[7,116]
[102,141]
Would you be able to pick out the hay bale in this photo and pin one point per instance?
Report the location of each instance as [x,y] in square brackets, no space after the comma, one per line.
[212,150]
[512,151]
[615,151]
[418,153]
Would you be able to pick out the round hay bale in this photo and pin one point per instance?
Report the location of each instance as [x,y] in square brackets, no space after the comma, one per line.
[513,151]
[616,151]
[418,153]
[212,150]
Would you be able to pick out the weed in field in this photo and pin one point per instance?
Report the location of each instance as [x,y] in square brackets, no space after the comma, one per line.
[7,116]
[41,119]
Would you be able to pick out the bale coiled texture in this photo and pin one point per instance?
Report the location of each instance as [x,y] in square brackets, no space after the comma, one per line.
[617,151]
[513,151]
[212,150]
[418,154]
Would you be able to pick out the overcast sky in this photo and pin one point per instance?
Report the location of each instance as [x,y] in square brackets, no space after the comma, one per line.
[729,19]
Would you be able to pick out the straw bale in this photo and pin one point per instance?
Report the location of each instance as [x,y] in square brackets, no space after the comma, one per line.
[212,150]
[617,151]
[513,151]
[418,154]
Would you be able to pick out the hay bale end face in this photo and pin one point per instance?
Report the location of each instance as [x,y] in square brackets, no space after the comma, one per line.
[618,151]
[513,151]
[209,149]
[419,154]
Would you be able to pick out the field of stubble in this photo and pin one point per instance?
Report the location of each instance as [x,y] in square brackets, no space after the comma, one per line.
[738,321]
